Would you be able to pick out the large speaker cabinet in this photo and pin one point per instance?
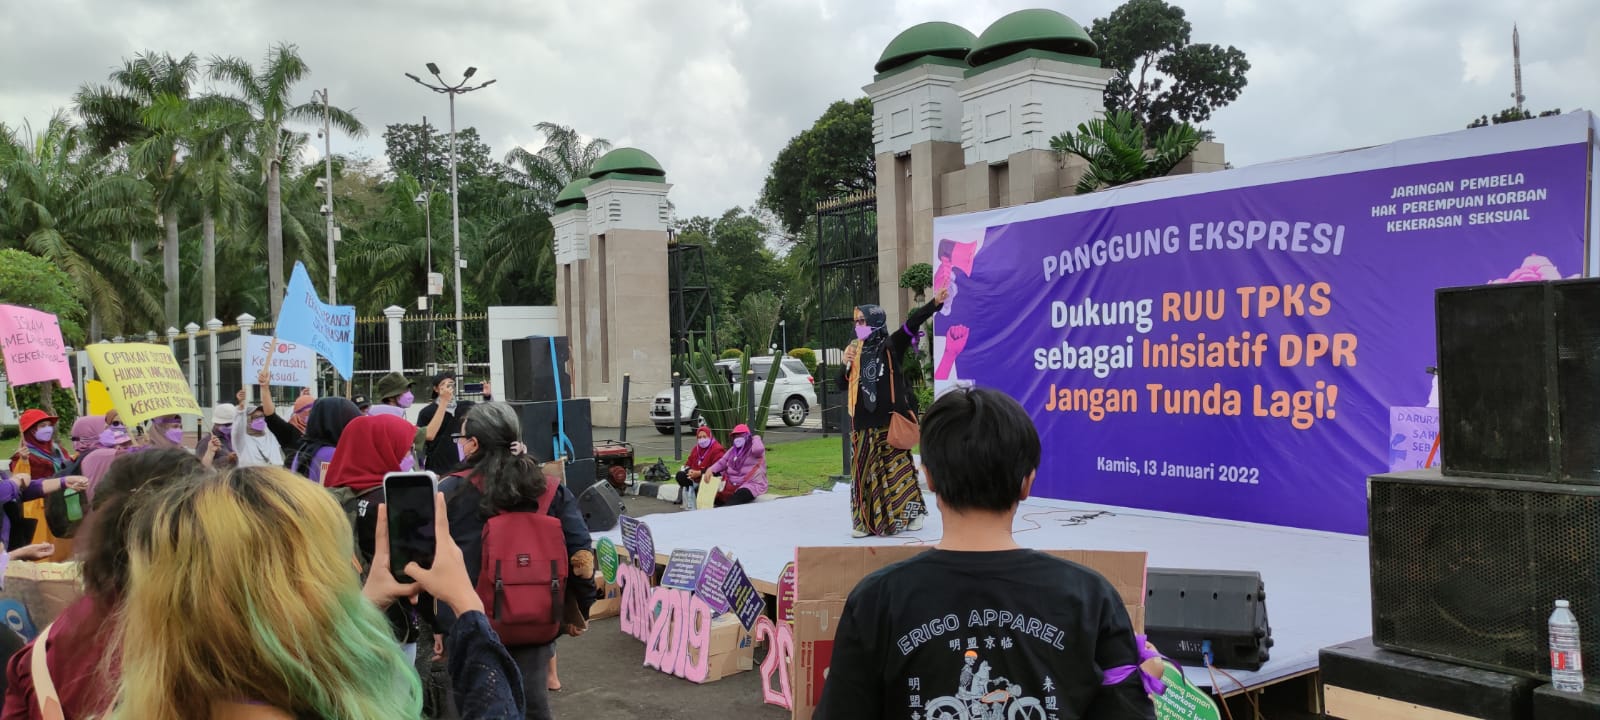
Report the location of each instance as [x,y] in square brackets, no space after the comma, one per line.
[1468,569]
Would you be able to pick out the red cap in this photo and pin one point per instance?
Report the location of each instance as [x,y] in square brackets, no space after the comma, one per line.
[34,417]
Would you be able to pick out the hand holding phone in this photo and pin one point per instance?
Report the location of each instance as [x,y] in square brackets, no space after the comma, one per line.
[409,503]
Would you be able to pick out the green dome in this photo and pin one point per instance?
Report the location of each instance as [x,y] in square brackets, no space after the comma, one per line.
[939,39]
[627,161]
[572,194]
[1036,29]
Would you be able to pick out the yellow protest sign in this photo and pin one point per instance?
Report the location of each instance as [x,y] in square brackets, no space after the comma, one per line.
[99,398]
[144,380]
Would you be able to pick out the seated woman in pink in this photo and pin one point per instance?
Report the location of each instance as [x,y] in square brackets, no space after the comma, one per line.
[743,468]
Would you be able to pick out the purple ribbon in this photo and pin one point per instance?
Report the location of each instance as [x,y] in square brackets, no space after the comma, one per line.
[916,336]
[1152,683]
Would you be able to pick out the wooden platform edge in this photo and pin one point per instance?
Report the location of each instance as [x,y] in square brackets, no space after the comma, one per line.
[1343,704]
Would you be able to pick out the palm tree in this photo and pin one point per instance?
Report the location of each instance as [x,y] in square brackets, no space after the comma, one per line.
[76,208]
[116,116]
[265,95]
[1117,150]
[391,252]
[521,240]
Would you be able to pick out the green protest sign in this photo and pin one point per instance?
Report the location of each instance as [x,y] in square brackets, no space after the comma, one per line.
[1182,700]
[606,551]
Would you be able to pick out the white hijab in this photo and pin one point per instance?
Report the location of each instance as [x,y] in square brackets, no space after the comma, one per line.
[255,450]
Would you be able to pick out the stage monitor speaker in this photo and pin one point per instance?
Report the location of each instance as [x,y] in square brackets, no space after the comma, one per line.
[1552,704]
[540,426]
[529,376]
[1467,570]
[580,474]
[1519,380]
[601,506]
[1187,610]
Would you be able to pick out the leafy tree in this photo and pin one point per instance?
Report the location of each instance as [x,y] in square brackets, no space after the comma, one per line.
[1115,148]
[79,212]
[1162,77]
[31,281]
[265,95]
[917,278]
[758,316]
[1508,115]
[833,157]
[118,115]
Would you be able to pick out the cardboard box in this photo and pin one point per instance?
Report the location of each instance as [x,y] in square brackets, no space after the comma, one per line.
[825,576]
[608,601]
[42,590]
[732,650]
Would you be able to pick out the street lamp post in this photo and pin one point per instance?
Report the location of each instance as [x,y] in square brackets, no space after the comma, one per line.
[460,88]
[327,186]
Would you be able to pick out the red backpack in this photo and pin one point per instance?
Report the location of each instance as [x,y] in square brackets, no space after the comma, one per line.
[523,578]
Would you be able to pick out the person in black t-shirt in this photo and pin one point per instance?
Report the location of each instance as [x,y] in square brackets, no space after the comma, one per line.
[440,420]
[980,627]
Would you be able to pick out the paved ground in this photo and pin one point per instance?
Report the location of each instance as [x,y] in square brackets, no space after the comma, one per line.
[604,676]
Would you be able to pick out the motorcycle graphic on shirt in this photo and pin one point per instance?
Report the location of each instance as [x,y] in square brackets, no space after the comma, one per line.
[981,697]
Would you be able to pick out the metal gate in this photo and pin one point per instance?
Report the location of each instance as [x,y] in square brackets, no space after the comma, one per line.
[847,276]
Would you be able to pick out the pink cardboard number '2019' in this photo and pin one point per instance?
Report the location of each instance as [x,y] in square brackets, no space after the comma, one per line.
[780,655]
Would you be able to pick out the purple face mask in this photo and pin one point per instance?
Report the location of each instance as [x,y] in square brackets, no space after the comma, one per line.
[862,332]
[409,462]
[174,435]
[406,399]
[44,434]
[259,425]
[738,442]
[705,442]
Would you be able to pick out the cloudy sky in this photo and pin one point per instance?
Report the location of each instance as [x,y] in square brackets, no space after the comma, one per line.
[713,88]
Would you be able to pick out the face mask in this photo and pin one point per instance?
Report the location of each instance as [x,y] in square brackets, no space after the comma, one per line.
[407,463]
[862,331]
[405,400]
[44,434]
[259,425]
[461,452]
[175,436]
[108,437]
[738,442]
[705,442]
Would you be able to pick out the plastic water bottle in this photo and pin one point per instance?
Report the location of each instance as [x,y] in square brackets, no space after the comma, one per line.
[1566,654]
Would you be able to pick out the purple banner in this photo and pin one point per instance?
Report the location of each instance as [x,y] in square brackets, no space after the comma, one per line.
[1240,353]
[743,599]
[640,544]
[683,569]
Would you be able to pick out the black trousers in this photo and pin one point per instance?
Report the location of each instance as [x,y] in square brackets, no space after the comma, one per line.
[741,496]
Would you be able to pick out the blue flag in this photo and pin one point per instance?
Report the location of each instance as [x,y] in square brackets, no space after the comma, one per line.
[328,329]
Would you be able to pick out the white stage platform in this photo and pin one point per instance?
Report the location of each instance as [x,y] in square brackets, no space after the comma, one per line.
[1317,583]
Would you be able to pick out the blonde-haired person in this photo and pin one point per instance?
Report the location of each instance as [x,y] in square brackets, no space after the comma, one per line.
[282,629]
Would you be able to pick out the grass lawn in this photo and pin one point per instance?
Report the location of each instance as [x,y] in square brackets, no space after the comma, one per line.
[795,468]
[9,448]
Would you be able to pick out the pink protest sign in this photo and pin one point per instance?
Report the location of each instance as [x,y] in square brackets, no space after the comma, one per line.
[32,345]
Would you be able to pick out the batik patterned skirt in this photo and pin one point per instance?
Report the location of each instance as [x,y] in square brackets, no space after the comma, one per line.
[884,495]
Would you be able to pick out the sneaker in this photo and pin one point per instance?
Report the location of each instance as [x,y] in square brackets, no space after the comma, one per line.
[915,524]
[858,533]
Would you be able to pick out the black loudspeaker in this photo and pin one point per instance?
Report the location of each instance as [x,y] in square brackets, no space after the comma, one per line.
[529,375]
[540,426]
[1187,610]
[1355,673]
[601,506]
[580,475]
[1519,380]
[1468,569]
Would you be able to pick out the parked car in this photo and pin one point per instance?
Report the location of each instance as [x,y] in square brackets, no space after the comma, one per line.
[792,398]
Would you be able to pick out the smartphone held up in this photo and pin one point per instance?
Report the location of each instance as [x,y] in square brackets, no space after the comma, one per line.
[409,497]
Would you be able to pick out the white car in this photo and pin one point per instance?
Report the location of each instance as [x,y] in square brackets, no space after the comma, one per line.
[792,398]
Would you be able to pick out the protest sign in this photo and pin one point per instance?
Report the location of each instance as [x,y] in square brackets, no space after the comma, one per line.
[606,552]
[786,594]
[98,397]
[705,495]
[144,380]
[293,364]
[744,599]
[327,329]
[1412,431]
[683,569]
[712,576]
[1182,700]
[641,546]
[31,342]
